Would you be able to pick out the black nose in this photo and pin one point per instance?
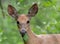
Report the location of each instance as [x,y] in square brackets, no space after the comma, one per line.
[22,32]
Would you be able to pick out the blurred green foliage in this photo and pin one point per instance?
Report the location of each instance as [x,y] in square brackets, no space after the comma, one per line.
[47,20]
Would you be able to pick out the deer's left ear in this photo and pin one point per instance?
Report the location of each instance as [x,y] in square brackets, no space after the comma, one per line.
[12,11]
[33,10]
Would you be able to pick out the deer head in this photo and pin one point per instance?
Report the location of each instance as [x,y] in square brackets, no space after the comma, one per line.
[23,21]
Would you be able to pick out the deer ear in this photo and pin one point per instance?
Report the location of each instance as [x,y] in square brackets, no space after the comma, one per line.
[12,11]
[33,10]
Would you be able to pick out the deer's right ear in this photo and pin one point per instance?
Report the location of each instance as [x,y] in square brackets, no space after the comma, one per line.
[33,10]
[12,11]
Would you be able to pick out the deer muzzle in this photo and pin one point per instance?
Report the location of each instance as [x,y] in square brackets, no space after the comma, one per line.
[23,32]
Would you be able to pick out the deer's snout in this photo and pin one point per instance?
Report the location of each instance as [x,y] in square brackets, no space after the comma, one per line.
[22,32]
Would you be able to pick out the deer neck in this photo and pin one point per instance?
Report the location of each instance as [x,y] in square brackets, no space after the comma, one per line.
[30,33]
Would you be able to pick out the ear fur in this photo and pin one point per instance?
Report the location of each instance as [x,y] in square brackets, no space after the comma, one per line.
[12,11]
[33,10]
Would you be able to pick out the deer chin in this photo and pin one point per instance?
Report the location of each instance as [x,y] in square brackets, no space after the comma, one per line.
[22,34]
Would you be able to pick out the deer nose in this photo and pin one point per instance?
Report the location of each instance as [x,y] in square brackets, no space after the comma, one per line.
[22,32]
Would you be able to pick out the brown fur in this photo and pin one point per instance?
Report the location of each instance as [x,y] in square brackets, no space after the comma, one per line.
[39,39]
[43,39]
[23,24]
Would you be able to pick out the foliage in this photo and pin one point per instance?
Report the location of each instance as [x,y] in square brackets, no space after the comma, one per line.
[47,20]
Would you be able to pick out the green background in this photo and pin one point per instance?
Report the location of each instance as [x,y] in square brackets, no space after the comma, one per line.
[47,20]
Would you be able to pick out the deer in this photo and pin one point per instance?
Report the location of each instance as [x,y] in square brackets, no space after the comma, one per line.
[23,23]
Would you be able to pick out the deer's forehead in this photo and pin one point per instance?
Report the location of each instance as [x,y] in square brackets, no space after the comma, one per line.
[22,18]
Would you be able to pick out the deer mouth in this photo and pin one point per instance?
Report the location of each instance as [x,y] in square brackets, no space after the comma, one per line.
[23,33]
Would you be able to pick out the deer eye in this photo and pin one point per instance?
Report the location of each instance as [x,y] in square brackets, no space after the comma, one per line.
[17,22]
[28,22]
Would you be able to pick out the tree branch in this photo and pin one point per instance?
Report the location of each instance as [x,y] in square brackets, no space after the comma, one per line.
[2,8]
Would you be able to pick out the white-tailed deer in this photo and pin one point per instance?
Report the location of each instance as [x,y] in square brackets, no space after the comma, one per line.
[23,22]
